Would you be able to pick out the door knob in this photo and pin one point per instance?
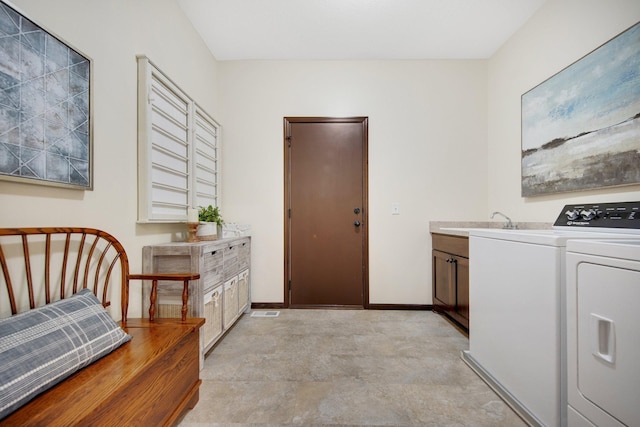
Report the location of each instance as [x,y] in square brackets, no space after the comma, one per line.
[357,223]
[356,211]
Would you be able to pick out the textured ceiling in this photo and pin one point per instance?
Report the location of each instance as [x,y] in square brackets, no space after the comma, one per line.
[356,29]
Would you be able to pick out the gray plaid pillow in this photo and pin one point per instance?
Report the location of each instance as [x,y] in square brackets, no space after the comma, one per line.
[41,347]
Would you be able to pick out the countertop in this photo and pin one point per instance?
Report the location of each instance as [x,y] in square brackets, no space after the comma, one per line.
[461,228]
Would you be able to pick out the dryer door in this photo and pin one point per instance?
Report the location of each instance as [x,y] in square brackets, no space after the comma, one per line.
[608,344]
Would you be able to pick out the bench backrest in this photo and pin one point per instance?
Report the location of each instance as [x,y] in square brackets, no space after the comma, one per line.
[42,265]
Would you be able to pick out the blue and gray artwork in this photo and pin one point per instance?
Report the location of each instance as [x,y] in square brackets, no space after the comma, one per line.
[44,105]
[581,127]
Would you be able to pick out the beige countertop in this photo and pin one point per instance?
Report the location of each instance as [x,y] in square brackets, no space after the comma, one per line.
[461,228]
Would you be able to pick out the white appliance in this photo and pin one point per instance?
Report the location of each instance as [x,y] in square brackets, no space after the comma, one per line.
[603,333]
[517,307]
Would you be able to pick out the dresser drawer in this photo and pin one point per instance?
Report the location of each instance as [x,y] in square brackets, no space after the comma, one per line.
[213,267]
[456,245]
[231,261]
[244,255]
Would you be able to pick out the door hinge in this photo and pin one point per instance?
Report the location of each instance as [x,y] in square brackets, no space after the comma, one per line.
[289,213]
[289,140]
[289,285]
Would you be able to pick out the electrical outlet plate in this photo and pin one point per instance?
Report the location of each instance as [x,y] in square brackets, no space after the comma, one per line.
[395,208]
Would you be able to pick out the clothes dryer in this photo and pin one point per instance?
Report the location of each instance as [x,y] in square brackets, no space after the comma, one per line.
[603,338]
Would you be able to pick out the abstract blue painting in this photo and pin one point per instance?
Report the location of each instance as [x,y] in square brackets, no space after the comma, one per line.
[581,127]
[45,128]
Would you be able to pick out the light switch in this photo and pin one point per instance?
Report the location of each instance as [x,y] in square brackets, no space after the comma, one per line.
[395,208]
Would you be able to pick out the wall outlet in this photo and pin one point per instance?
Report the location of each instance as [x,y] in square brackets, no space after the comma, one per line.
[395,208]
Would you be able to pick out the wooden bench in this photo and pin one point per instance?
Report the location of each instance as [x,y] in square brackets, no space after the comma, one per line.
[149,381]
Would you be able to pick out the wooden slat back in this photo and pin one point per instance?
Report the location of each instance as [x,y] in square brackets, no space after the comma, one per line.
[41,265]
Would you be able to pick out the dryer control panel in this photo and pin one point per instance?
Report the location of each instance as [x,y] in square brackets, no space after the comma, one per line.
[622,215]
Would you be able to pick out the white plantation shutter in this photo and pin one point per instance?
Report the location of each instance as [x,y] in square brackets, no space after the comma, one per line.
[177,149]
[206,134]
[169,146]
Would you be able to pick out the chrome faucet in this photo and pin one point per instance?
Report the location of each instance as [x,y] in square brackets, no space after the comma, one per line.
[507,225]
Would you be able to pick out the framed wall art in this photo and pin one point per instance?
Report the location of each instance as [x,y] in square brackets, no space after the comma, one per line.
[581,127]
[45,106]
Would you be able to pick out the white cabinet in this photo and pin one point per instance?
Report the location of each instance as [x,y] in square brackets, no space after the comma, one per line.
[222,293]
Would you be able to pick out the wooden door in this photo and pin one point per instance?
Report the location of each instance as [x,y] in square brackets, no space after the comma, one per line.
[326,212]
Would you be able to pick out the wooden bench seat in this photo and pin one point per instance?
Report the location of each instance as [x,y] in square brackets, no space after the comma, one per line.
[149,381]
[115,390]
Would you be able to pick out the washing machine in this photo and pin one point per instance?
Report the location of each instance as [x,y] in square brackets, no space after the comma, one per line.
[517,338]
[603,333]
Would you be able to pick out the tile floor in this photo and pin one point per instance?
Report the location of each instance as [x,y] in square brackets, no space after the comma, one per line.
[344,368]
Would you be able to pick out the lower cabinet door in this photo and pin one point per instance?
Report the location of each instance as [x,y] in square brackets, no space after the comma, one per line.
[243,290]
[462,291]
[230,301]
[213,315]
[451,286]
[444,297]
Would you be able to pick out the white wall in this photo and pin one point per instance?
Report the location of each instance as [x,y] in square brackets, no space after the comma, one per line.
[561,32]
[444,136]
[112,33]
[427,151]
[429,123]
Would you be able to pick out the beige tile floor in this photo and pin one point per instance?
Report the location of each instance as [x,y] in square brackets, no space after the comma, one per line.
[344,368]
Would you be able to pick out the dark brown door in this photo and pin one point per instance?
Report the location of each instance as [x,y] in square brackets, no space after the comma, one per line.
[326,212]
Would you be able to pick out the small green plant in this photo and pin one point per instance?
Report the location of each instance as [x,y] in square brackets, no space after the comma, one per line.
[210,214]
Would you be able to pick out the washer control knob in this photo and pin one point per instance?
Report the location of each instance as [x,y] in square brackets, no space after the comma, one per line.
[572,214]
[588,214]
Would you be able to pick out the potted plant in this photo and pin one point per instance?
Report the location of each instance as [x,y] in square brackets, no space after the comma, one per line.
[210,223]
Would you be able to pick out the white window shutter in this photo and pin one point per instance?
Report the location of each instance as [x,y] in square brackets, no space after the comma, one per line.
[177,149]
[205,142]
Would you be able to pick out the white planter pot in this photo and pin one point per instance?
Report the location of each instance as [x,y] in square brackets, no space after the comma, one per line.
[208,231]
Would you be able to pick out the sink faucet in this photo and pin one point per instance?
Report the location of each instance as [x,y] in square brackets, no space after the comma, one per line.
[508,225]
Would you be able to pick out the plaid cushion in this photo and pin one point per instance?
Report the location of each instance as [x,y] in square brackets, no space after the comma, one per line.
[41,347]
